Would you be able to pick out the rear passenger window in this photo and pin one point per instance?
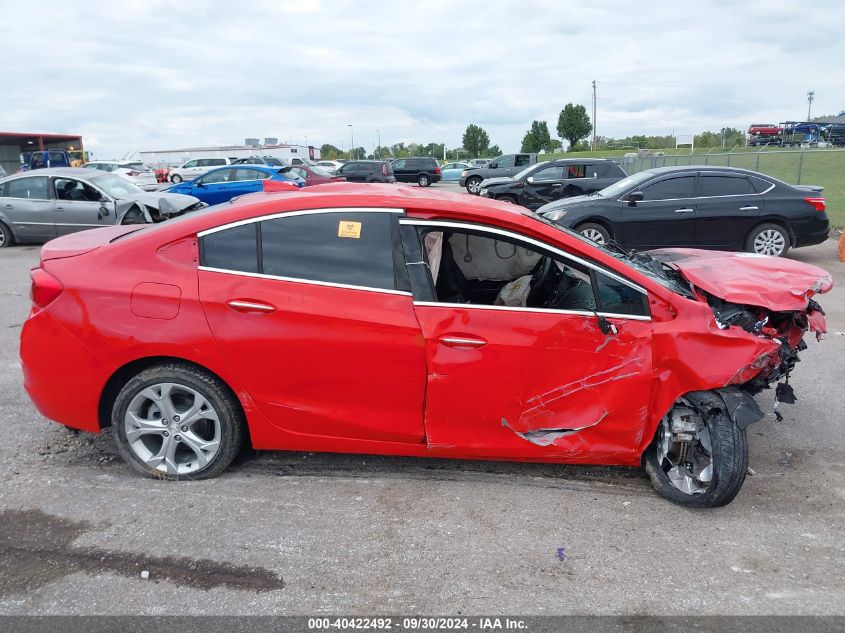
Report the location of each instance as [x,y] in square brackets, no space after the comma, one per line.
[343,248]
[724,186]
[619,298]
[232,249]
[31,188]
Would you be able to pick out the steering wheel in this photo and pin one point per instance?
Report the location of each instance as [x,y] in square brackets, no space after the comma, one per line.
[539,276]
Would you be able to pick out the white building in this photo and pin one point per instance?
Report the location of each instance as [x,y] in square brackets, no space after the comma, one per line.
[176,157]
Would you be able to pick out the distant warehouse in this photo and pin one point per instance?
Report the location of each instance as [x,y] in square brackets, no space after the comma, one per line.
[251,147]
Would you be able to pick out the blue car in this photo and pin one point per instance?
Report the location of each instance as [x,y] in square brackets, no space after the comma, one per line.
[452,171]
[223,184]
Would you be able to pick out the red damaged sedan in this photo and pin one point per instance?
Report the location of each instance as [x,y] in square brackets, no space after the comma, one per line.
[377,319]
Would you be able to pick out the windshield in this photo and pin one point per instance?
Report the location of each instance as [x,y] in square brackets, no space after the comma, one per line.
[116,186]
[618,188]
[524,173]
[642,262]
[275,162]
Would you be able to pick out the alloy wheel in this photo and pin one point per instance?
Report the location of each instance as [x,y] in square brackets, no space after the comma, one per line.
[474,185]
[593,234]
[769,242]
[172,428]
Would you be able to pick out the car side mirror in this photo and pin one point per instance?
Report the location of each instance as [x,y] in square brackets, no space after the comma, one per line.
[530,180]
[104,209]
[634,197]
[199,183]
[492,165]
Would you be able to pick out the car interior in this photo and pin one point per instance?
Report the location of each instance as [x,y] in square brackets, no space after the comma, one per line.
[75,191]
[473,268]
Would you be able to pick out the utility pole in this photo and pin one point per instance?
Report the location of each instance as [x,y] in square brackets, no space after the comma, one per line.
[810,96]
[352,142]
[594,115]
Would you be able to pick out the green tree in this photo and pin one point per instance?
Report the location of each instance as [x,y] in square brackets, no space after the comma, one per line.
[537,138]
[491,152]
[475,140]
[573,124]
[329,152]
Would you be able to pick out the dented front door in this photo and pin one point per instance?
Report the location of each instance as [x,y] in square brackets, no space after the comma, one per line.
[517,382]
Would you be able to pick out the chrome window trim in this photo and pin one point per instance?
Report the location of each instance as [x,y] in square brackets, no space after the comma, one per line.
[529,240]
[702,175]
[297,280]
[585,313]
[291,214]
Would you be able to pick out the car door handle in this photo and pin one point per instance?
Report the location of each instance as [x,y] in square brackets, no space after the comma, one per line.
[462,341]
[8,206]
[60,208]
[684,210]
[749,208]
[250,307]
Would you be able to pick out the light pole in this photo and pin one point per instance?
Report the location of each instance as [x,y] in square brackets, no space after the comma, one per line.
[352,140]
[306,140]
[378,132]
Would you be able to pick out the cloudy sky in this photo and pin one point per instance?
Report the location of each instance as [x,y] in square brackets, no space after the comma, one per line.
[148,75]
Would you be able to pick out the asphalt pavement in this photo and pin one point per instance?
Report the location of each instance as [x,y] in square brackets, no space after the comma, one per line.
[304,533]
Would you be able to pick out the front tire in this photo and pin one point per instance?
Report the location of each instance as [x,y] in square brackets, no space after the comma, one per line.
[424,180]
[768,239]
[176,179]
[595,232]
[6,237]
[474,185]
[705,471]
[176,421]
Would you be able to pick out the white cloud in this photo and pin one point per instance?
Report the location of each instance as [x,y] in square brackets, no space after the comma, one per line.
[146,74]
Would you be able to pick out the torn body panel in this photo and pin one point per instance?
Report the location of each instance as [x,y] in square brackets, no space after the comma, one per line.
[544,385]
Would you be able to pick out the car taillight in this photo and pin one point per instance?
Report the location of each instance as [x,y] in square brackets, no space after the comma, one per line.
[45,288]
[816,203]
[384,169]
[437,169]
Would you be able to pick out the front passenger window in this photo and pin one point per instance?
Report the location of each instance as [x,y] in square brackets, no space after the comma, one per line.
[670,189]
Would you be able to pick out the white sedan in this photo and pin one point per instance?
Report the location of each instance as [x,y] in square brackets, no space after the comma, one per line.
[134,171]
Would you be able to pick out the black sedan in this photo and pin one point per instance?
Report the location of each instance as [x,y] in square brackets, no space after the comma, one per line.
[552,180]
[707,207]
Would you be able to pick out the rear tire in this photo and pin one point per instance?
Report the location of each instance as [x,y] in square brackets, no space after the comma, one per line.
[424,180]
[6,237]
[594,231]
[176,179]
[768,239]
[177,421]
[728,458]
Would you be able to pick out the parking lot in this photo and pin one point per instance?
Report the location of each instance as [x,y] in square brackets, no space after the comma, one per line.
[296,533]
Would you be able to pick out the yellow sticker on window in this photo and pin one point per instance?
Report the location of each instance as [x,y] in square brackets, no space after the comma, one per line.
[349,229]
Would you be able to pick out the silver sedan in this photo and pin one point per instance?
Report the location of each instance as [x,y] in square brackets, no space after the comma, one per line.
[36,206]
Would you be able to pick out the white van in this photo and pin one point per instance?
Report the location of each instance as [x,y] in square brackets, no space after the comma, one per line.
[196,167]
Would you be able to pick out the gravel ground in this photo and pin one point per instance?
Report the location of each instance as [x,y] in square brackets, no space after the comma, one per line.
[295,533]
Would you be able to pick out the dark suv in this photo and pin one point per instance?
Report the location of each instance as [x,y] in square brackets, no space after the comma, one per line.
[366,171]
[422,171]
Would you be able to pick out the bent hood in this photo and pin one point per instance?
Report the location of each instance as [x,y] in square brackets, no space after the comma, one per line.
[501,180]
[152,199]
[775,283]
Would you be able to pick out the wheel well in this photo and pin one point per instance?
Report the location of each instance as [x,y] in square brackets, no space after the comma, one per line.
[125,373]
[776,220]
